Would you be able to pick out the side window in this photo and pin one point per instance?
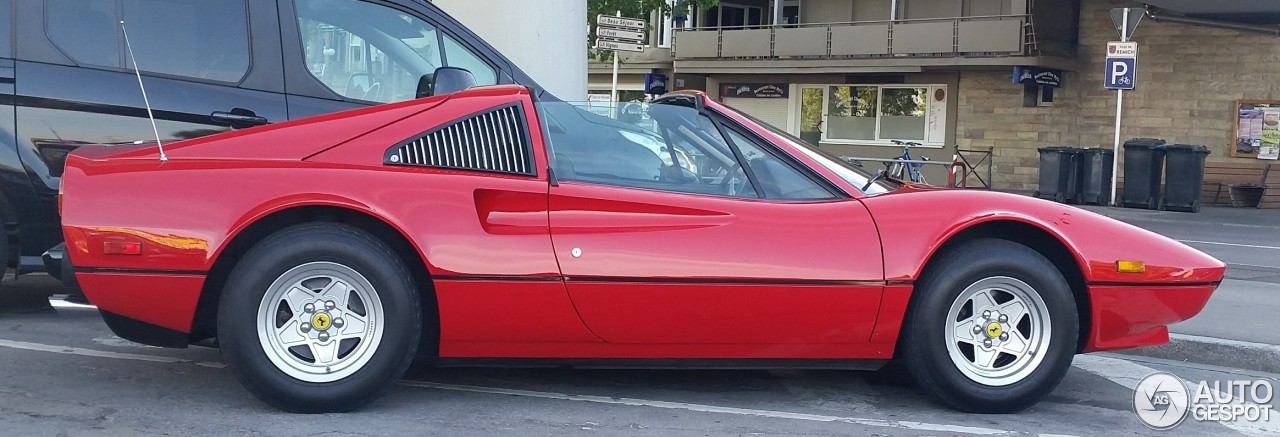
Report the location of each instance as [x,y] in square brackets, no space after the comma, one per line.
[204,40]
[6,29]
[777,179]
[87,32]
[459,56]
[638,145]
[364,51]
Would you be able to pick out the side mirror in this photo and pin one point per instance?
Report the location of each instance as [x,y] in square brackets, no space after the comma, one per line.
[445,80]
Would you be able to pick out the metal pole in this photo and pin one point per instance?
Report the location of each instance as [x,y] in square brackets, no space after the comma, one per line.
[777,12]
[1115,157]
[613,91]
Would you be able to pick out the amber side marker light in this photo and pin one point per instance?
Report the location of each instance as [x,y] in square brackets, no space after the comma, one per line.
[1131,266]
[121,248]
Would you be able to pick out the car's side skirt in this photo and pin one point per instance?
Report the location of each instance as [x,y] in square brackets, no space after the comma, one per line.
[667,363]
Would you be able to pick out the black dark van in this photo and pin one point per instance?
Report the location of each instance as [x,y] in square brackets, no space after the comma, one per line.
[67,80]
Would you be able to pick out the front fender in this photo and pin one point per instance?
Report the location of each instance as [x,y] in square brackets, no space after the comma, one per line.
[915,224]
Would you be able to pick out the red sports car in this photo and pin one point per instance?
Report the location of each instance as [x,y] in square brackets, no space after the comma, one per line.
[323,255]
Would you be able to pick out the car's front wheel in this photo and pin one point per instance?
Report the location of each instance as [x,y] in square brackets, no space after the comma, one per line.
[992,327]
[319,318]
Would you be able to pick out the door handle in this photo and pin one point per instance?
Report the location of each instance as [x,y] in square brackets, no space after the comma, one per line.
[238,118]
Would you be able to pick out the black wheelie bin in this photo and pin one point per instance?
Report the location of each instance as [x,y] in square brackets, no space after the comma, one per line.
[1143,165]
[1184,177]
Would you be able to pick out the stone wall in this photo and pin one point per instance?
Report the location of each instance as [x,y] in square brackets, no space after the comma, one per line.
[1189,78]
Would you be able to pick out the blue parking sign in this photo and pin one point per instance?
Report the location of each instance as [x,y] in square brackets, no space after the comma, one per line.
[1121,73]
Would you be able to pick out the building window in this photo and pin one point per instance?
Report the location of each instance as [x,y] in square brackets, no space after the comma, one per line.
[1034,95]
[732,15]
[873,114]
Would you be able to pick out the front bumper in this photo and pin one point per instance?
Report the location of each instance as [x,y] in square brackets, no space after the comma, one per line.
[1129,316]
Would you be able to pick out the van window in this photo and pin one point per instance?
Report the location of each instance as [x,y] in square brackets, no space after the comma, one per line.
[461,57]
[374,53]
[6,29]
[202,40]
[363,51]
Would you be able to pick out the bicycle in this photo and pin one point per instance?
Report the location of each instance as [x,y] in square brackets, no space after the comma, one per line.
[907,170]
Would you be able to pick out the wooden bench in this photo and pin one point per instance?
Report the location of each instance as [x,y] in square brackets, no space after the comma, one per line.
[1271,187]
[1219,176]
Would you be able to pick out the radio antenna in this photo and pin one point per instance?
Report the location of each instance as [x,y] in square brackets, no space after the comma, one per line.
[145,101]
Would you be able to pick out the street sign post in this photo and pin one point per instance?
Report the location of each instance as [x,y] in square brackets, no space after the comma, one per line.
[619,34]
[1120,75]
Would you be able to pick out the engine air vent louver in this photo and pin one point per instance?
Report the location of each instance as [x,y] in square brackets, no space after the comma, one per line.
[496,140]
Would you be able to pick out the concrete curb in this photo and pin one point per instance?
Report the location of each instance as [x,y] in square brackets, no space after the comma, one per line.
[1215,351]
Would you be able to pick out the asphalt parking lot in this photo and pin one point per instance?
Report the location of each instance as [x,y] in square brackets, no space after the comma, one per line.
[63,373]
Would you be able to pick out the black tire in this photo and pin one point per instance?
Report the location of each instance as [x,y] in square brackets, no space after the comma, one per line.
[299,245]
[924,344]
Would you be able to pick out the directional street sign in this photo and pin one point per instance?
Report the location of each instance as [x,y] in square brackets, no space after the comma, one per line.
[620,35]
[625,23]
[604,44]
[1121,66]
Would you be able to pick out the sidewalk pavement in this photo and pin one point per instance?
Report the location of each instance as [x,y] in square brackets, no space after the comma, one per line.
[1240,326]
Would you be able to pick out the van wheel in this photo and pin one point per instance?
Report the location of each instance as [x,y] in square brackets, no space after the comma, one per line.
[992,327]
[319,318]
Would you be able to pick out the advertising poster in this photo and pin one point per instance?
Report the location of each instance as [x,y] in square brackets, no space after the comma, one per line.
[1257,129]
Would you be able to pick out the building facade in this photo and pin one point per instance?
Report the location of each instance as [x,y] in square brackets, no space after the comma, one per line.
[1009,76]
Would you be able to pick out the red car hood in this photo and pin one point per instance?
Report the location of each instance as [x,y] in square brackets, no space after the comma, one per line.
[274,141]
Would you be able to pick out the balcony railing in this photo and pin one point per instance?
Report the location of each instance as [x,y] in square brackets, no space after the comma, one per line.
[996,35]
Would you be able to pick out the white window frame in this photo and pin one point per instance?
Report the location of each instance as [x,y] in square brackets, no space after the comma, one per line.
[798,105]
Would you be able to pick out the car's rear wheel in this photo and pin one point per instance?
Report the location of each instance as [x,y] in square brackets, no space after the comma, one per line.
[319,318]
[992,327]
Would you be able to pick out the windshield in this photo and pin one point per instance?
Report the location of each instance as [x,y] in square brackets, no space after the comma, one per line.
[854,175]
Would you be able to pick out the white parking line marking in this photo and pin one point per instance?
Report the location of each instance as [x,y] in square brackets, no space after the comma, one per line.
[1215,243]
[101,354]
[914,426]
[1128,374]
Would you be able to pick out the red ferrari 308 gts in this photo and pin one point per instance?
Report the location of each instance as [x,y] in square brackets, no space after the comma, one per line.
[325,254]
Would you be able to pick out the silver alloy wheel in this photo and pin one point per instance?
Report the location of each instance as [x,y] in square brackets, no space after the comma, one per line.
[998,331]
[320,322]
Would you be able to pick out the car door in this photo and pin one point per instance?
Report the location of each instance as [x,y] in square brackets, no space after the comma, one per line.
[341,54]
[671,227]
[202,72]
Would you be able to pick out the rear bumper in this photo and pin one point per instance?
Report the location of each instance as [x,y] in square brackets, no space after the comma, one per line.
[150,308]
[58,263]
[1129,316]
